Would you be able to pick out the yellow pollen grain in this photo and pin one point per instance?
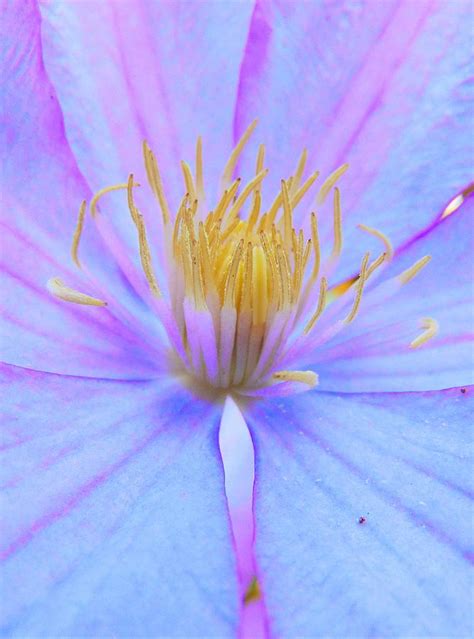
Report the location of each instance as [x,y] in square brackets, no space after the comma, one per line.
[431,327]
[57,288]
[77,234]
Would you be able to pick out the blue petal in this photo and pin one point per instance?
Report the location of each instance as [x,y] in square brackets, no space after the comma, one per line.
[114,514]
[381,85]
[402,462]
[167,72]
[41,192]
[373,354]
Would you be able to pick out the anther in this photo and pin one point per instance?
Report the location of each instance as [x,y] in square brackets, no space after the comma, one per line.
[323,289]
[431,328]
[234,156]
[330,182]
[154,179]
[309,378]
[77,234]
[410,273]
[381,236]
[57,287]
[102,192]
[360,287]
[337,247]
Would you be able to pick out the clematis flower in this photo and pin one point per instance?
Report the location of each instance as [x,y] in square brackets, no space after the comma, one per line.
[226,415]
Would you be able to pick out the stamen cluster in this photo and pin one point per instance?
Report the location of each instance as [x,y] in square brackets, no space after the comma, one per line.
[245,286]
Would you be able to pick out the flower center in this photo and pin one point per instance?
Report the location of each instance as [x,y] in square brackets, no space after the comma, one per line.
[246,286]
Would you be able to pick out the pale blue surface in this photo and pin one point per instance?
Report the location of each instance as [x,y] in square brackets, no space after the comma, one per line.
[402,461]
[113,515]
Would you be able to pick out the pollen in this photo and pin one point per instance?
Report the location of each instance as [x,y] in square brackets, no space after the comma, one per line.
[245,285]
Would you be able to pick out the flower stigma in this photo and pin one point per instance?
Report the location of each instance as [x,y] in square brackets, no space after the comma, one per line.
[246,283]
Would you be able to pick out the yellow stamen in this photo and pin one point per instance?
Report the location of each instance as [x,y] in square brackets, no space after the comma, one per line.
[199,169]
[154,179]
[77,234]
[410,273]
[287,213]
[239,202]
[145,255]
[260,287]
[301,192]
[239,277]
[431,327]
[320,308]
[316,248]
[303,377]
[188,180]
[337,247]
[229,291]
[234,156]
[57,287]
[299,171]
[375,264]
[381,236]
[360,288]
[260,159]
[330,182]
[102,192]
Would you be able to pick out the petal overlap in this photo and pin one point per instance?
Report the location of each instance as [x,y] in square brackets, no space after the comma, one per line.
[114,511]
[401,462]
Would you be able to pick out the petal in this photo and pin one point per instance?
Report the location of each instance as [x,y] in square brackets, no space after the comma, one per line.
[164,71]
[374,353]
[42,189]
[115,520]
[399,461]
[383,86]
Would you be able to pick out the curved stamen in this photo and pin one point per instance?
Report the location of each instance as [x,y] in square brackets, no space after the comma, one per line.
[57,287]
[431,327]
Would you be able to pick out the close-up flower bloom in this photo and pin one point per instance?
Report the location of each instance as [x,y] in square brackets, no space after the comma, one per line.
[237,318]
